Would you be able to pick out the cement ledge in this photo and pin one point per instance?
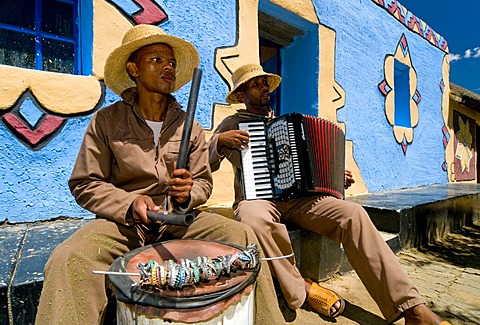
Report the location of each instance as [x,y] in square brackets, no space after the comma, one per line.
[24,251]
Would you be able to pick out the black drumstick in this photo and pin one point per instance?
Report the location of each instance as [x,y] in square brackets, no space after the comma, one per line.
[187,128]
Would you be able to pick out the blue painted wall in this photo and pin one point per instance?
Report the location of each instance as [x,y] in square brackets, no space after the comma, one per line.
[211,24]
[34,183]
[366,33]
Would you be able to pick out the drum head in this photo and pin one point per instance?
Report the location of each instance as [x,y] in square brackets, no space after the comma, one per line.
[200,295]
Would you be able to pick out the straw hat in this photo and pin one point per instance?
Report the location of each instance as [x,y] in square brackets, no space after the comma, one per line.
[186,55]
[247,72]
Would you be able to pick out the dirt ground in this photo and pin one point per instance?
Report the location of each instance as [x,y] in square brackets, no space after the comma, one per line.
[447,274]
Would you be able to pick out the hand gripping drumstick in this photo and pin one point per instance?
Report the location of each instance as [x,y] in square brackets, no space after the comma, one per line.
[174,218]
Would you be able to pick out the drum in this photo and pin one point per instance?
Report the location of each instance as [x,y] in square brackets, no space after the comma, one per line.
[226,300]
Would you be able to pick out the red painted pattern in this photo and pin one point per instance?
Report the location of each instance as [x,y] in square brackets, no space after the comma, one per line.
[48,126]
[151,13]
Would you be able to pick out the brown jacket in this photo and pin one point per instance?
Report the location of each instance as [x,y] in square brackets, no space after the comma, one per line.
[118,160]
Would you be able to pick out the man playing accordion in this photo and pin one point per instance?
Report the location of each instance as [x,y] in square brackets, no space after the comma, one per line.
[340,220]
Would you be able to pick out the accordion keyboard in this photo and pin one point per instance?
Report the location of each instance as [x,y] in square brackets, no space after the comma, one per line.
[255,164]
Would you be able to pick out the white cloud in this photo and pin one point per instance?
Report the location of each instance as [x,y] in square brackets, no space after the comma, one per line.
[454,57]
[477,52]
[470,53]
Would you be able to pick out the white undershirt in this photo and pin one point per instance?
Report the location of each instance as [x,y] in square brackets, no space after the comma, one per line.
[156,127]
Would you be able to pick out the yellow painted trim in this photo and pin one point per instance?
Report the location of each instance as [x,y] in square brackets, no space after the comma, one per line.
[331,98]
[57,93]
[109,27]
[67,94]
[228,59]
[302,8]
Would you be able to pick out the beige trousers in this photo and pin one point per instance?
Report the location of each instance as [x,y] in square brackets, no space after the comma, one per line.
[73,295]
[344,222]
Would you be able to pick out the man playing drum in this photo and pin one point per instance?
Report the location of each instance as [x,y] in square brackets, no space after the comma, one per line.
[126,167]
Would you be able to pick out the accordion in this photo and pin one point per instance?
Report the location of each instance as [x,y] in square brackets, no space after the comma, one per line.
[293,155]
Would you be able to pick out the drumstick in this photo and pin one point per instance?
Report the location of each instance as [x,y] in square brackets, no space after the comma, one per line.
[172,218]
[187,127]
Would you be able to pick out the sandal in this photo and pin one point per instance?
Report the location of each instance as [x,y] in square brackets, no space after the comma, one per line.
[322,299]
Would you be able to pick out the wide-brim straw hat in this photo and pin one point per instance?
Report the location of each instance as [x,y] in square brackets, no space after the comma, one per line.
[247,72]
[186,55]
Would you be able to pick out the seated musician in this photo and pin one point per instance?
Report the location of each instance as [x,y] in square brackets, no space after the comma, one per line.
[342,221]
[126,167]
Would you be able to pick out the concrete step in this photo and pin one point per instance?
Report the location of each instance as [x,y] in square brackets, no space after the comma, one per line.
[425,214]
[320,258]
[24,250]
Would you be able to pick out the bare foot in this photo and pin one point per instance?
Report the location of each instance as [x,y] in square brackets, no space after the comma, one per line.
[421,315]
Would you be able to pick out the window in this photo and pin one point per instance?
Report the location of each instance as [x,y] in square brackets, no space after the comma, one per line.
[46,35]
[289,47]
[270,59]
[402,94]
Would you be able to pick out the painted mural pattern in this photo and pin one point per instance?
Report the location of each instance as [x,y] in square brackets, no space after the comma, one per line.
[403,132]
[36,134]
[141,11]
[414,23]
[29,124]
[445,130]
[35,119]
[464,164]
[35,123]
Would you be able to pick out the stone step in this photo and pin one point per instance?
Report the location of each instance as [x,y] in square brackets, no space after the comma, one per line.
[320,258]
[425,214]
[24,250]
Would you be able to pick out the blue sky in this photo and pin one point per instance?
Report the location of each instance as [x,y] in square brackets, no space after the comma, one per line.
[459,23]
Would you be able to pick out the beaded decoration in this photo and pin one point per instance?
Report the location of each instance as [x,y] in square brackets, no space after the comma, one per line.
[190,272]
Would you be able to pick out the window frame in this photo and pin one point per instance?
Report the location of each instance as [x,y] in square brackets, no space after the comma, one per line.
[82,38]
